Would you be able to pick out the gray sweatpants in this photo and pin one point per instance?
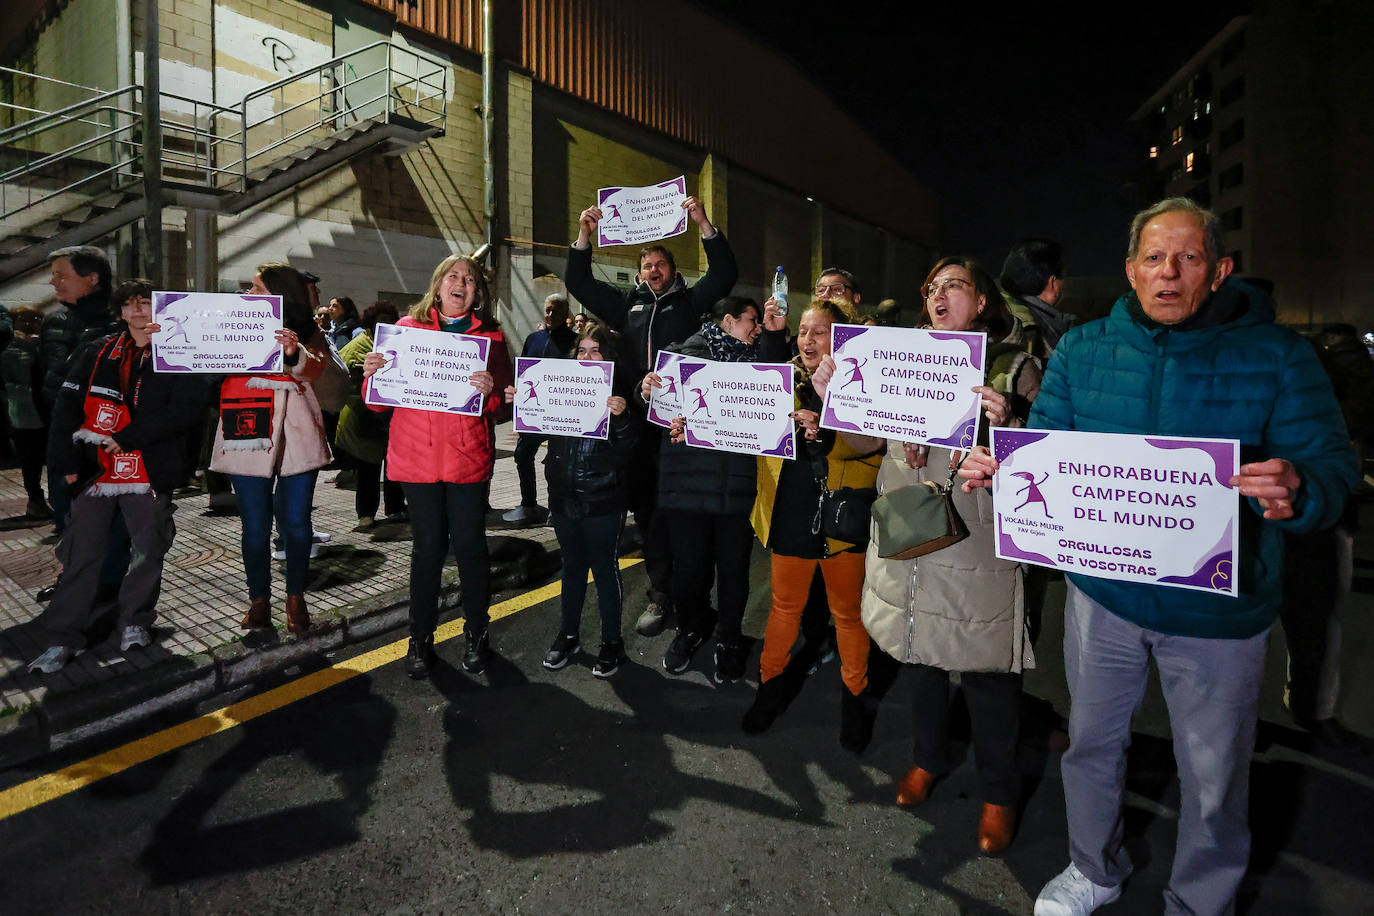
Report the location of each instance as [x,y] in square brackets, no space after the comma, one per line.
[148,517]
[1211,687]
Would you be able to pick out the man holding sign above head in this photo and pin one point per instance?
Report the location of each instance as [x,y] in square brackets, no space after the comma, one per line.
[1188,353]
[661,310]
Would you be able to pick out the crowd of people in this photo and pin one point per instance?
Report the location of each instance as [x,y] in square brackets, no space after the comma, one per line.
[1189,351]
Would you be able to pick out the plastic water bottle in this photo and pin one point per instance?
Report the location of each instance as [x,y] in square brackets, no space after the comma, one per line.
[780,290]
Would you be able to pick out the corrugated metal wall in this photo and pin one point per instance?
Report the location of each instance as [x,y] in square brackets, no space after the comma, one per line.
[680,71]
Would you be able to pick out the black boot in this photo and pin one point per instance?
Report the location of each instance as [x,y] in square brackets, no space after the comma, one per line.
[773,697]
[478,652]
[420,658]
[857,714]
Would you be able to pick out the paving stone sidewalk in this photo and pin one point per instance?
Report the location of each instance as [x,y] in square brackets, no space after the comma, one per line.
[357,588]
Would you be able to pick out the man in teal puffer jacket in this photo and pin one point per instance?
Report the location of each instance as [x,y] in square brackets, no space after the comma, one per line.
[1188,353]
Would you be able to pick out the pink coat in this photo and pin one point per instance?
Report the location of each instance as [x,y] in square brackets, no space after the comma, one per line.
[298,441]
[428,446]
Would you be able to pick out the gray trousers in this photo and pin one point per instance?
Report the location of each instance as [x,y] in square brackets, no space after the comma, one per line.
[148,517]
[1211,687]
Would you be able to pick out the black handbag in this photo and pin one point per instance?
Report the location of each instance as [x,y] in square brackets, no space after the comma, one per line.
[845,514]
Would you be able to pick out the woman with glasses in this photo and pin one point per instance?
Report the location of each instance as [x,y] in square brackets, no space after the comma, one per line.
[444,463]
[961,608]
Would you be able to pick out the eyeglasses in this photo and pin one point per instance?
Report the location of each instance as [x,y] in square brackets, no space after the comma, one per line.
[825,291]
[946,286]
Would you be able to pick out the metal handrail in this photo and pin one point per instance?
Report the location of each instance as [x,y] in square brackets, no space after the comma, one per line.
[114,119]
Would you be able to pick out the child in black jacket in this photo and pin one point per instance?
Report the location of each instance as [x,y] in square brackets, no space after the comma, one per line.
[588,498]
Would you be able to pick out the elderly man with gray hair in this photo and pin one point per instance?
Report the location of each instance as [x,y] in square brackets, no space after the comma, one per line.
[1190,352]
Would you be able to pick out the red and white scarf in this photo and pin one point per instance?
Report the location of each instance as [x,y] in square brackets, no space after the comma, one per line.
[106,413]
[247,407]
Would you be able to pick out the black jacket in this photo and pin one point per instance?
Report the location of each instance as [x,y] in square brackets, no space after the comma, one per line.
[590,476]
[65,331]
[550,342]
[705,480]
[168,405]
[651,322]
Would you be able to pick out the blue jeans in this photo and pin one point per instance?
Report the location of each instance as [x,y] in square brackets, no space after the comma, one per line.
[290,503]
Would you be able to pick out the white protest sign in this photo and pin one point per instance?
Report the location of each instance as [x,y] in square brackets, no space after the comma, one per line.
[427,369]
[906,384]
[216,332]
[634,216]
[738,407]
[1154,509]
[562,397]
[665,401]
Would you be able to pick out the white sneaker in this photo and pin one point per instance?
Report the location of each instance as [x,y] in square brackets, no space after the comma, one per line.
[53,660]
[321,537]
[316,549]
[1070,893]
[135,635]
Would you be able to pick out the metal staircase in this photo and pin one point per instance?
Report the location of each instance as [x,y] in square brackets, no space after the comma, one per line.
[74,175]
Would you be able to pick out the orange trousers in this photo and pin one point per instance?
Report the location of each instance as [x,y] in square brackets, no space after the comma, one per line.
[844,579]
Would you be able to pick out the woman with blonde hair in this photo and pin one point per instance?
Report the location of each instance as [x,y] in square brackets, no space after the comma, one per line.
[444,462]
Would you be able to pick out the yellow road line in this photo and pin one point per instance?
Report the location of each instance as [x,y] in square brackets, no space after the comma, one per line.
[45,788]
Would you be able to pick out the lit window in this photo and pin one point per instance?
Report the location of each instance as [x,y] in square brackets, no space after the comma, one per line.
[1206,107]
[1176,135]
[1154,152]
[1188,162]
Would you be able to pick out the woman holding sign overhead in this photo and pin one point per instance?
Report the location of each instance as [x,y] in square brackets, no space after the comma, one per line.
[444,463]
[959,608]
[270,441]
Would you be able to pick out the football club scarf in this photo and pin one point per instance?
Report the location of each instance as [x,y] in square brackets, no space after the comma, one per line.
[246,408]
[106,413]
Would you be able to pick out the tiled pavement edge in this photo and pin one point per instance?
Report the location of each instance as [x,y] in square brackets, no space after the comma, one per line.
[358,588]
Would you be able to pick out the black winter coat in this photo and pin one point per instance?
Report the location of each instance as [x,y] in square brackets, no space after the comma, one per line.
[651,322]
[168,405]
[65,332]
[704,480]
[591,476]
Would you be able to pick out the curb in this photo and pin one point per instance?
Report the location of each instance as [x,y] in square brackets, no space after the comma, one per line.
[71,718]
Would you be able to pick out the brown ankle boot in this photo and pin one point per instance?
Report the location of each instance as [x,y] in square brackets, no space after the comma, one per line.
[259,615]
[996,828]
[297,619]
[914,787]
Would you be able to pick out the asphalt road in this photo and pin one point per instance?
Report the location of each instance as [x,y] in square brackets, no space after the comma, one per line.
[532,791]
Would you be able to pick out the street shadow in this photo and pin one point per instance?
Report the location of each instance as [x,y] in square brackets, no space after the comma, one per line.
[590,780]
[343,564]
[200,836]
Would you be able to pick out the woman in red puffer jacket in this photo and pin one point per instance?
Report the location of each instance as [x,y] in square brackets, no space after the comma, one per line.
[444,463]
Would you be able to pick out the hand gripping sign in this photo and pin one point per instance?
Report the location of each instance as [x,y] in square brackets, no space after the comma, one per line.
[665,402]
[906,384]
[562,397]
[1153,509]
[634,216]
[427,369]
[738,407]
[216,332]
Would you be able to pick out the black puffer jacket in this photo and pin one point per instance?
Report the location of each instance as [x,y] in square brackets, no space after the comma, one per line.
[65,332]
[704,480]
[651,322]
[590,476]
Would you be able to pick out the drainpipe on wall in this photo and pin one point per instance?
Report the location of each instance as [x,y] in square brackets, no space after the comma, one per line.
[152,148]
[489,131]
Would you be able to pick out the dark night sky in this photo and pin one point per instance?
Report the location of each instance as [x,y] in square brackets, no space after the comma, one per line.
[1017,124]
